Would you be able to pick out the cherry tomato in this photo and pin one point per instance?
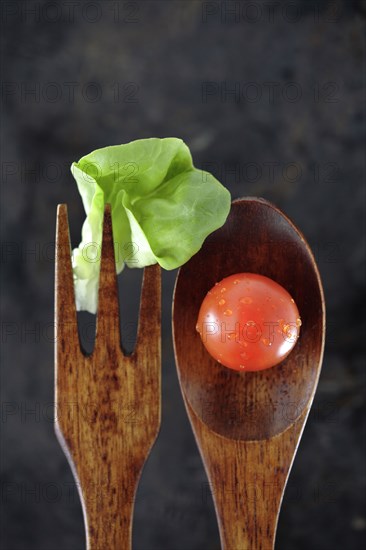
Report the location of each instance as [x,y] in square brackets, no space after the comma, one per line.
[248,322]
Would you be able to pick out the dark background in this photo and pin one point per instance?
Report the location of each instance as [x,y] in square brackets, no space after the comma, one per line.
[268,95]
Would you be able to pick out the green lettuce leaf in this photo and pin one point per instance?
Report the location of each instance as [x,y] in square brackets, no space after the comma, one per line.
[163,208]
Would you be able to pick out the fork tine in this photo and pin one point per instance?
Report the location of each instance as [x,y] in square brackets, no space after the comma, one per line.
[149,328]
[66,327]
[108,316]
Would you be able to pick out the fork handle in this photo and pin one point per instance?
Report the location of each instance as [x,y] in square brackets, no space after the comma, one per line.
[107,436]
[108,505]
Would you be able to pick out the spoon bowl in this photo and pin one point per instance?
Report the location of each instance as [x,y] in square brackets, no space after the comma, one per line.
[248,424]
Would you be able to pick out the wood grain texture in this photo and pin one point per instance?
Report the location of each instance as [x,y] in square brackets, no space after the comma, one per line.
[248,425]
[108,404]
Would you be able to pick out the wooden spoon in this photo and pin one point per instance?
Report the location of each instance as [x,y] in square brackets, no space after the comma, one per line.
[248,424]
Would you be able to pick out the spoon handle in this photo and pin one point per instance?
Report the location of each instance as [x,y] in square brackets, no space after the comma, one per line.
[247,480]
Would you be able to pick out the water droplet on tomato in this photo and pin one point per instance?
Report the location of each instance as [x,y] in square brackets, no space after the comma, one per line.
[245,300]
[222,302]
[228,312]
[266,342]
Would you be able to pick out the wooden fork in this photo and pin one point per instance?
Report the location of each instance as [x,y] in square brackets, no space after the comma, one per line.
[108,404]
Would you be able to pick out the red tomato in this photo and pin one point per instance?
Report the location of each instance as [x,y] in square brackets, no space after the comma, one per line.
[248,322]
